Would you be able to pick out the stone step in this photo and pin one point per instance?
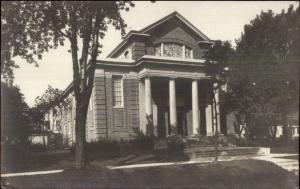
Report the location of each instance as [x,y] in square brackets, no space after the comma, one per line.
[222,149]
[209,152]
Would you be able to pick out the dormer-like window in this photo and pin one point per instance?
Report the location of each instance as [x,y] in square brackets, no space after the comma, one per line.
[127,54]
[174,50]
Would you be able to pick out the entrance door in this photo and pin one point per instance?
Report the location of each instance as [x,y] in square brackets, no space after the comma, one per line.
[181,123]
[161,126]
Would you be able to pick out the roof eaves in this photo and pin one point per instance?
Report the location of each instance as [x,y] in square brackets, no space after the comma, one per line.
[179,16]
[125,40]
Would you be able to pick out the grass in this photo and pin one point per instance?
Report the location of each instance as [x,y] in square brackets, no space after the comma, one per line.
[235,174]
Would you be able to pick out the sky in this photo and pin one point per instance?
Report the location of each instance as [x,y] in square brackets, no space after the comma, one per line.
[218,20]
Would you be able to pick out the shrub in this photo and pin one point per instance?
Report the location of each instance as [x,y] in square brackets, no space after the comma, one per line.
[55,141]
[103,145]
[141,141]
[230,140]
[246,141]
[175,144]
[207,140]
[201,140]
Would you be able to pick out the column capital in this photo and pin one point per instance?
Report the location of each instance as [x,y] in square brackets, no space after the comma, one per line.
[173,77]
[195,79]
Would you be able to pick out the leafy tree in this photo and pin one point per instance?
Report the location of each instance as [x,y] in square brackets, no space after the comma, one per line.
[271,38]
[42,105]
[14,119]
[263,72]
[264,78]
[35,27]
[217,57]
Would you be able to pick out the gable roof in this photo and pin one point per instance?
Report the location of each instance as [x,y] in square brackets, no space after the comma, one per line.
[143,32]
[175,14]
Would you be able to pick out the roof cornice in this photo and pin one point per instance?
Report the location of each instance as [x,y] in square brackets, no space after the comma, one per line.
[125,40]
[143,32]
[151,59]
[180,17]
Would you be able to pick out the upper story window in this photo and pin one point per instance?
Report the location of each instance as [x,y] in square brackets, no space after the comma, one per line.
[117,91]
[127,54]
[174,50]
[188,53]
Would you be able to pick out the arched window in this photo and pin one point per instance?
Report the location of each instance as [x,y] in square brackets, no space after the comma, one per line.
[174,50]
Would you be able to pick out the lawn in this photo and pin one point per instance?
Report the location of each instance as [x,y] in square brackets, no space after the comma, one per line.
[234,174]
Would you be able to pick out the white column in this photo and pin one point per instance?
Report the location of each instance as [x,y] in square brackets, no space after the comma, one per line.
[172,98]
[209,114]
[148,97]
[148,103]
[142,106]
[209,122]
[217,113]
[195,106]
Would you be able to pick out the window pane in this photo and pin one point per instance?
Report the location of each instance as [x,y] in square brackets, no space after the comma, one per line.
[117,91]
[188,52]
[157,50]
[173,50]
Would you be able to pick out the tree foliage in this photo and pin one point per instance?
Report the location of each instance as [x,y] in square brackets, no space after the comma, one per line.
[48,98]
[264,72]
[220,52]
[14,116]
[271,38]
[35,27]
[42,104]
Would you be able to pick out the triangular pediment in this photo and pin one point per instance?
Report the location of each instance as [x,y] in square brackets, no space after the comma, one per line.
[174,20]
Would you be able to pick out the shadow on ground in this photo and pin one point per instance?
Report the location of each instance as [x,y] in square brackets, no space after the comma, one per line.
[235,174]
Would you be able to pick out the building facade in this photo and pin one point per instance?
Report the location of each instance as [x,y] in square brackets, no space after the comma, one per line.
[156,80]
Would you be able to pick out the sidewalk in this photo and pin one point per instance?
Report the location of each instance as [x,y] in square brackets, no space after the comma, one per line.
[282,161]
[31,173]
[192,161]
[278,159]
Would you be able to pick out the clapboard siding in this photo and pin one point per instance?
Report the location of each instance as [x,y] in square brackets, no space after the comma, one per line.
[100,107]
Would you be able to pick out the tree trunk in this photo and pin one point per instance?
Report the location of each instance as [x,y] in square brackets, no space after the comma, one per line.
[80,138]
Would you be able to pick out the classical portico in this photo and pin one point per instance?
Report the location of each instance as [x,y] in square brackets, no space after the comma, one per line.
[184,105]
